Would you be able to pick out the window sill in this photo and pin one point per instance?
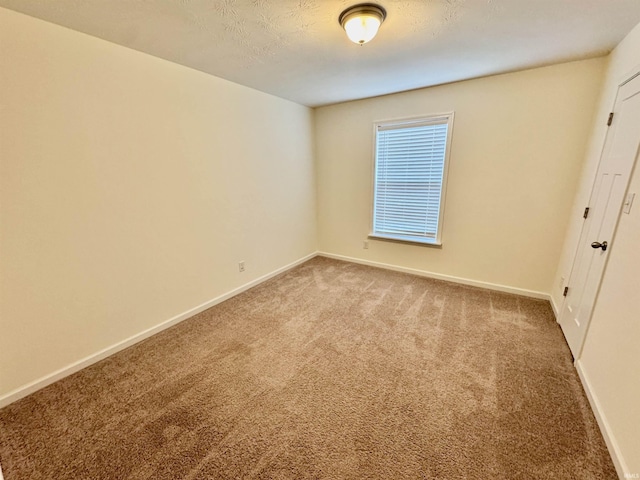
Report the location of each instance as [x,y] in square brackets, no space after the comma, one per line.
[409,240]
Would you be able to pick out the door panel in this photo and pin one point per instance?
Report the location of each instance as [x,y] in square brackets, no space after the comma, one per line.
[607,197]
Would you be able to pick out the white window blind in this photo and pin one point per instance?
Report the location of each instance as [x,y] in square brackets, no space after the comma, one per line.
[410,171]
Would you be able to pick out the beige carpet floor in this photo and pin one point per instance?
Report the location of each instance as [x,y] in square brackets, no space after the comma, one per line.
[331,370]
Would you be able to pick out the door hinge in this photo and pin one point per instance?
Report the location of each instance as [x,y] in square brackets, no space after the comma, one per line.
[566,291]
[610,120]
[586,213]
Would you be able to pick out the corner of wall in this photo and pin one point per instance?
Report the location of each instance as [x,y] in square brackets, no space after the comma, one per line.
[591,157]
[315,156]
[555,306]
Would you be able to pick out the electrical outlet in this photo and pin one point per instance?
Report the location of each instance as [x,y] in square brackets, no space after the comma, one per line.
[365,245]
[561,282]
[241,266]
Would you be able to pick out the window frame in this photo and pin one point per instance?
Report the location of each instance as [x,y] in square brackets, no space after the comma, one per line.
[408,121]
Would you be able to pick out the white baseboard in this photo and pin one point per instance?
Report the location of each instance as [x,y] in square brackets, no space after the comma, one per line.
[102,354]
[29,388]
[439,276]
[609,438]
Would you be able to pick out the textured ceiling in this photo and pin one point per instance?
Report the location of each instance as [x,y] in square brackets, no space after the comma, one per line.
[296,49]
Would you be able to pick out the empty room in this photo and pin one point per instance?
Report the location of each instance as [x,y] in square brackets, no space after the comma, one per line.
[319,239]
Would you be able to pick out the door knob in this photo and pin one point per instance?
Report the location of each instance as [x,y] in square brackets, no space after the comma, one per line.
[602,245]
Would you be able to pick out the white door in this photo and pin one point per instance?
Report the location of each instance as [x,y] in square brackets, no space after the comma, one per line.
[607,198]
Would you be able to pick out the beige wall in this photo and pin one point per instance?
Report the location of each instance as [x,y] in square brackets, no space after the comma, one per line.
[610,360]
[130,189]
[518,144]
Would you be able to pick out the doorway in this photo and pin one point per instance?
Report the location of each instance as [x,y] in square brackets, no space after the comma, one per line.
[608,198]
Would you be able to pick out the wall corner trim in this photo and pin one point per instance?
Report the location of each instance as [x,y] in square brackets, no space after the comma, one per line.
[440,276]
[605,428]
[554,307]
[53,377]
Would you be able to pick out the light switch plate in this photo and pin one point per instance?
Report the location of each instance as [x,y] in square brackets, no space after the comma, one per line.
[626,208]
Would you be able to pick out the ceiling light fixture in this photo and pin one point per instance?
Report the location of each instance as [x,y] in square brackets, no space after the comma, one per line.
[361,22]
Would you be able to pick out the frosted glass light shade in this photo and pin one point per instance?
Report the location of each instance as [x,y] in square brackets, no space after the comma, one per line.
[361,22]
[362,28]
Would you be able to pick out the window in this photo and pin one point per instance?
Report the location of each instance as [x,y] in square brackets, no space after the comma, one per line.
[410,177]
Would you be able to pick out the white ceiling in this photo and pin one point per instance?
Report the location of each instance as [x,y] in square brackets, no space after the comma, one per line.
[296,49]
